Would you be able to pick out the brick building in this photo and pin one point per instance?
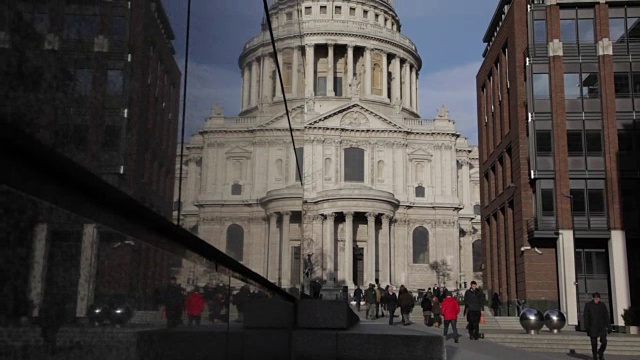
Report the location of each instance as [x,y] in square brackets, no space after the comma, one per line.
[97,81]
[559,144]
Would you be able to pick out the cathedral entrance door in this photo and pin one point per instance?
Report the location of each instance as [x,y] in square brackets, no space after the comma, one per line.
[358,265]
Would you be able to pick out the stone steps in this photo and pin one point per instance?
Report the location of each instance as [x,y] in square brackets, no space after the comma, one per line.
[617,345]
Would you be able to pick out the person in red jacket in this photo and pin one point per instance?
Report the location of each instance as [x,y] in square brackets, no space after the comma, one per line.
[450,310]
[194,305]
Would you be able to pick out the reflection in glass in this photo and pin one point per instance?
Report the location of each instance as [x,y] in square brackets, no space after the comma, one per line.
[541,86]
[617,29]
[572,86]
[543,142]
[568,31]
[547,202]
[574,142]
[621,84]
[585,26]
[594,142]
[540,31]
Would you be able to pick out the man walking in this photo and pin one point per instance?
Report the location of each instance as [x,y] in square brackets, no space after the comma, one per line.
[357,296]
[474,307]
[392,303]
[370,298]
[450,310]
[597,323]
[174,303]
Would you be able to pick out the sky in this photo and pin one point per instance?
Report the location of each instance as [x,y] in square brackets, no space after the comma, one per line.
[448,35]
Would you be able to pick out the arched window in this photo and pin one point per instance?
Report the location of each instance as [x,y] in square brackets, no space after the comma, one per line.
[354,164]
[236,189]
[476,250]
[380,169]
[420,245]
[419,191]
[235,241]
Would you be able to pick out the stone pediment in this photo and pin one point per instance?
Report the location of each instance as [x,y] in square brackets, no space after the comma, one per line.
[354,116]
[280,120]
[238,152]
[420,154]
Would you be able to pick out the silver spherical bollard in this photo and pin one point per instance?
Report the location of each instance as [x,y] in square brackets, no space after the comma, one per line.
[531,320]
[555,320]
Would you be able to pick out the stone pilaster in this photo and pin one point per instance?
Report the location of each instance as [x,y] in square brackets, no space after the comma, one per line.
[349,68]
[88,267]
[348,249]
[273,255]
[385,261]
[330,70]
[385,73]
[310,73]
[370,267]
[367,71]
[286,250]
[329,248]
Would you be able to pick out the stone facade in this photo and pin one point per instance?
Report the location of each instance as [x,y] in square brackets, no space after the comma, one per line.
[381,192]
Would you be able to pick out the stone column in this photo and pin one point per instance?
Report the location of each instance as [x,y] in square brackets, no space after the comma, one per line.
[317,246]
[38,267]
[88,267]
[286,250]
[417,94]
[370,268]
[394,259]
[621,298]
[310,73]
[566,257]
[348,249]
[329,248]
[466,184]
[246,86]
[273,257]
[255,83]
[384,251]
[385,71]
[276,79]
[414,88]
[406,95]
[294,71]
[367,71]
[396,80]
[267,81]
[330,91]
[349,68]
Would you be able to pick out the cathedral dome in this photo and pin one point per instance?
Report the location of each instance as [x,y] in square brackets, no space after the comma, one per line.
[331,52]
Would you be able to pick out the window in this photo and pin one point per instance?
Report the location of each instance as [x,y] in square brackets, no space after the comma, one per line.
[365,14]
[476,250]
[476,210]
[235,241]
[574,30]
[596,202]
[289,15]
[354,164]
[635,81]
[420,245]
[622,84]
[80,27]
[300,161]
[594,142]
[338,10]
[236,189]
[540,31]
[541,86]
[625,141]
[321,86]
[420,191]
[84,81]
[579,202]
[376,79]
[111,138]
[307,10]
[352,11]
[577,86]
[118,28]
[617,30]
[337,85]
[377,18]
[574,142]
[323,9]
[623,29]
[568,31]
[40,22]
[114,82]
[547,203]
[585,31]
[543,142]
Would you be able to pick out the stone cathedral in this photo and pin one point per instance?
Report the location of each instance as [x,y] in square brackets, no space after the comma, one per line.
[381,192]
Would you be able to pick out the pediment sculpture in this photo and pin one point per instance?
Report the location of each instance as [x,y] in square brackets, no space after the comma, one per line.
[354,119]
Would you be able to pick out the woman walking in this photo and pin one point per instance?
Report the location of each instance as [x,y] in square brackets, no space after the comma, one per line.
[392,303]
[435,310]
[405,300]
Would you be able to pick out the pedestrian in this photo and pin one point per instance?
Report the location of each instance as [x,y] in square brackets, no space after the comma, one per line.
[240,300]
[426,310]
[392,303]
[357,296]
[435,311]
[495,304]
[405,300]
[450,310]
[379,293]
[474,308]
[443,291]
[370,300]
[436,291]
[194,305]
[173,303]
[598,325]
[429,294]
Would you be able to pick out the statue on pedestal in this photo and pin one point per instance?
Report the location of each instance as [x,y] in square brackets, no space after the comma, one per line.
[354,85]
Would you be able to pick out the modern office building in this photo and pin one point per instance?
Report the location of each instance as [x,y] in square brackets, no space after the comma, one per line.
[559,150]
[98,82]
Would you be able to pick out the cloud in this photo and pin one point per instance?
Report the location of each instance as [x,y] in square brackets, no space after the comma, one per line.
[454,87]
[210,84]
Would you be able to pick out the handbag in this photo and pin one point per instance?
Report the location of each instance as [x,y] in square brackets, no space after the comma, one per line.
[482,321]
